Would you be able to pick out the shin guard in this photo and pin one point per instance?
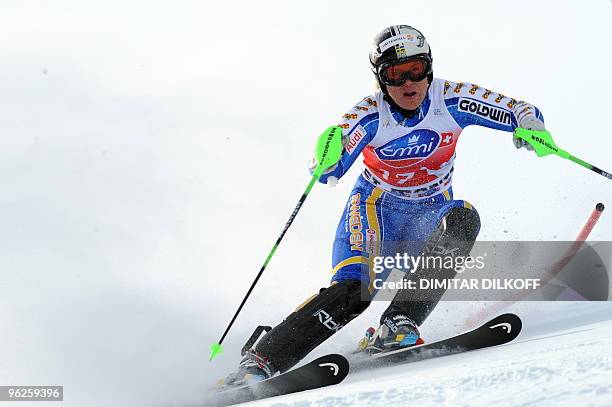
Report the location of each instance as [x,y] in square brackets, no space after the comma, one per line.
[306,328]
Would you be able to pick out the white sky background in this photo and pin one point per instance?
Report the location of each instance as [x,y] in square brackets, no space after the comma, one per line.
[150,154]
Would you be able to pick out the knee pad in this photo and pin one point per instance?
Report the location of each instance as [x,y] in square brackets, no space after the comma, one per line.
[459,223]
[463,222]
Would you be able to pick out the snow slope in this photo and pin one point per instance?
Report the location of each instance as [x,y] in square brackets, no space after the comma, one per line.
[554,362]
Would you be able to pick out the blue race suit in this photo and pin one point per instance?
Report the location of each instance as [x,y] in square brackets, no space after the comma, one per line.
[405,187]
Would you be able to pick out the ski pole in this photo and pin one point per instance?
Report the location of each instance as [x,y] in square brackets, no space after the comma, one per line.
[543,144]
[327,153]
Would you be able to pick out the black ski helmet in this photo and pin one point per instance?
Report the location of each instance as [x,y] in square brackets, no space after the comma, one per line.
[397,43]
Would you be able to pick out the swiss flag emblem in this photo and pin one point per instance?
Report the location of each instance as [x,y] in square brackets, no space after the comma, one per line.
[447,139]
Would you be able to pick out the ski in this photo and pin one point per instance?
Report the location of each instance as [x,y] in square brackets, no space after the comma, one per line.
[497,331]
[332,369]
[324,371]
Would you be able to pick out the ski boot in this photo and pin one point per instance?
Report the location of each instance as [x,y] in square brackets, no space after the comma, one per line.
[395,332]
[252,369]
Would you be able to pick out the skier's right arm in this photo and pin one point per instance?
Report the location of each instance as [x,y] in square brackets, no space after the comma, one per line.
[359,126]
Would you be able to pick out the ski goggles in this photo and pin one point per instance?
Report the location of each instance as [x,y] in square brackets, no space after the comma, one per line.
[396,74]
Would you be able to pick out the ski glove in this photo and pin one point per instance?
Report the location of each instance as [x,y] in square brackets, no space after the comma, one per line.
[332,181]
[529,123]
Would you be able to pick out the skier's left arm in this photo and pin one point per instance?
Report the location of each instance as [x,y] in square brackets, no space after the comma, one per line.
[470,104]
